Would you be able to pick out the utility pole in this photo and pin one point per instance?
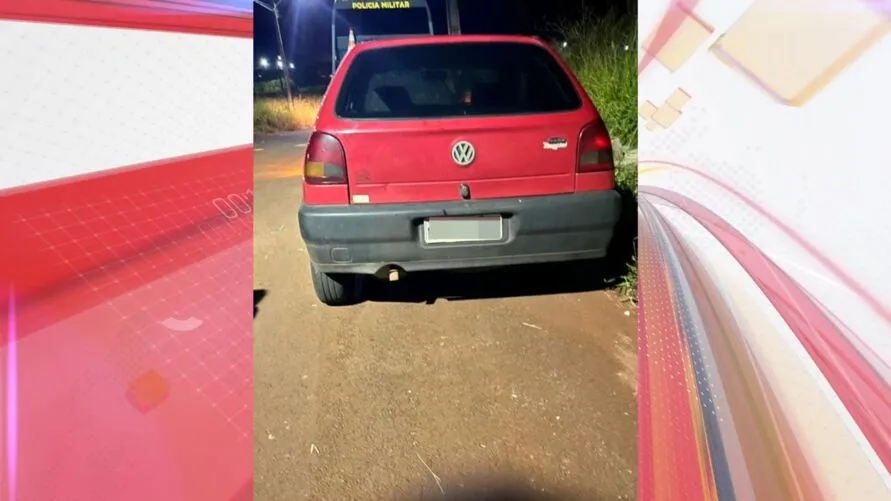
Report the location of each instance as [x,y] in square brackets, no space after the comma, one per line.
[273,7]
[454,18]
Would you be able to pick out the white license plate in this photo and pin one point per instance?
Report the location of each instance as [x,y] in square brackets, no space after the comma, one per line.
[451,230]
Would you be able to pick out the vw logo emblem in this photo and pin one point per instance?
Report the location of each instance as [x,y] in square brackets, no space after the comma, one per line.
[463,153]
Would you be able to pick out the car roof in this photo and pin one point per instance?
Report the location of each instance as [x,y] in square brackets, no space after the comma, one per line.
[446,39]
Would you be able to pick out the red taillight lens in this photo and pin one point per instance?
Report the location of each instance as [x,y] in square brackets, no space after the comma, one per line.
[595,149]
[325,160]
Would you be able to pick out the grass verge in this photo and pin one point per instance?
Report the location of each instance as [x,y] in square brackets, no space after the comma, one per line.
[602,52]
[274,115]
[623,254]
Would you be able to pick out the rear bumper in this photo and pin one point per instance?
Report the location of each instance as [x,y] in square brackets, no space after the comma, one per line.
[368,238]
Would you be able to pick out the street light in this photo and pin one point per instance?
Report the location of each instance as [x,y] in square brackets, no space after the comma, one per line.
[264,63]
[281,46]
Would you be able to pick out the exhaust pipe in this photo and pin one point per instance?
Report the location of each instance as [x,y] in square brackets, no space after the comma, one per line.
[389,273]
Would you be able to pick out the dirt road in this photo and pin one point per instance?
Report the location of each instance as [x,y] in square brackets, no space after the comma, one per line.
[442,382]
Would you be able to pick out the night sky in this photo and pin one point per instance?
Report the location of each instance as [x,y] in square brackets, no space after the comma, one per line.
[306,27]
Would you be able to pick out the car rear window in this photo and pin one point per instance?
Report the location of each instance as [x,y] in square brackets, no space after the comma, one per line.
[454,80]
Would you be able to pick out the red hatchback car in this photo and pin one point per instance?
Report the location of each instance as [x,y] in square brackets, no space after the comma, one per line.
[453,152]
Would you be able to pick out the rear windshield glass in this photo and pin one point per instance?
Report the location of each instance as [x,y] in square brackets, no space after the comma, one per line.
[453,80]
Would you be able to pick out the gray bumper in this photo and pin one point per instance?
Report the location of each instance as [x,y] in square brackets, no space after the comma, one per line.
[368,238]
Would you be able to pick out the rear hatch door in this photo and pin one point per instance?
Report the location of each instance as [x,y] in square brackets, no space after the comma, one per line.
[432,122]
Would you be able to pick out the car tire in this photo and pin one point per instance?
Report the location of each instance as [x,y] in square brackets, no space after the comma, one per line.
[336,289]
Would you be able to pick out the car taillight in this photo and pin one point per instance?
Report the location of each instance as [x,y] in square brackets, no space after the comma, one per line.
[595,149]
[325,160]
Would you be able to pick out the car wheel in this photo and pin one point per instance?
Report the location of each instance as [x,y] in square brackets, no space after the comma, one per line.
[336,289]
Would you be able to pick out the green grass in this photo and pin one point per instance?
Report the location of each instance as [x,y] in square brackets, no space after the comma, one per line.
[596,52]
[627,287]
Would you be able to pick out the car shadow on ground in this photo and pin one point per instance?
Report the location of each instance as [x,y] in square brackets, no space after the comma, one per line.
[518,281]
[623,247]
[513,281]
[497,491]
[259,295]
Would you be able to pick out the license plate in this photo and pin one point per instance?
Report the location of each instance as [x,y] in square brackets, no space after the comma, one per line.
[451,230]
